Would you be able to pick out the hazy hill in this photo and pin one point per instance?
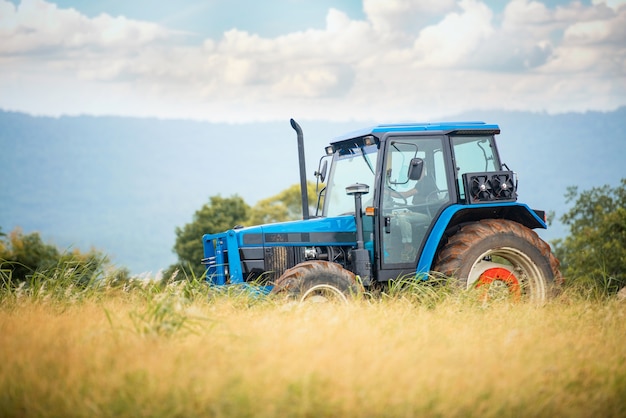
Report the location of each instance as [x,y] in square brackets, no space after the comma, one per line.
[122,184]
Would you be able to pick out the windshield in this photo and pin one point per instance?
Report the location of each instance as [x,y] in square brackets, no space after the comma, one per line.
[356,165]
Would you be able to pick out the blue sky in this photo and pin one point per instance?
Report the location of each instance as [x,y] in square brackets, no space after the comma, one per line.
[211,18]
[244,60]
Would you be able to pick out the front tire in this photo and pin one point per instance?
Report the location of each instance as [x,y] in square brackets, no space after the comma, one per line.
[500,257]
[317,281]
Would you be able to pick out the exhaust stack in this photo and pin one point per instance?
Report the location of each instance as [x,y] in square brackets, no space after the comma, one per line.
[303,185]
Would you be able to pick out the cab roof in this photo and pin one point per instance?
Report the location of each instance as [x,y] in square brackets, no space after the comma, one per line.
[465,128]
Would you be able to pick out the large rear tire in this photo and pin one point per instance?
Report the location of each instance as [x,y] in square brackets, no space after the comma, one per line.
[501,257]
[317,281]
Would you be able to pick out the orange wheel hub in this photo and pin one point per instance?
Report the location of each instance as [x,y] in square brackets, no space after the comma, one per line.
[500,274]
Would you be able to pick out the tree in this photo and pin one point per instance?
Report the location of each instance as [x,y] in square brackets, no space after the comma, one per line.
[220,214]
[285,206]
[24,255]
[596,246]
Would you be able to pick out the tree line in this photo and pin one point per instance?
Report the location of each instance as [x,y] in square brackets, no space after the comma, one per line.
[25,256]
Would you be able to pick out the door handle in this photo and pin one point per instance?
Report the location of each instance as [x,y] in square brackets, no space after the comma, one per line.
[388,224]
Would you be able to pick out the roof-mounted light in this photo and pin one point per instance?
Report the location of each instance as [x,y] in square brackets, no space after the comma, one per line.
[329,150]
[475,132]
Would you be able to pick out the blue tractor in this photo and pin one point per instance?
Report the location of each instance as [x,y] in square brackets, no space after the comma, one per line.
[397,201]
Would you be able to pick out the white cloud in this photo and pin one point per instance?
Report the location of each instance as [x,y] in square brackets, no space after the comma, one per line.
[525,13]
[598,31]
[594,46]
[457,35]
[406,60]
[615,4]
[36,25]
[403,17]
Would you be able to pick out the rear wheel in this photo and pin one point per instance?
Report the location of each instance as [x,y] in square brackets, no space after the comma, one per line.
[500,258]
[317,281]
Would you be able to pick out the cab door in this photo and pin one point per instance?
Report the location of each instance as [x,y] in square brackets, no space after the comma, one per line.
[407,204]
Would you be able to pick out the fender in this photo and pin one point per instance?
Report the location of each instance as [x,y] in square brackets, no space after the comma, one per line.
[459,214]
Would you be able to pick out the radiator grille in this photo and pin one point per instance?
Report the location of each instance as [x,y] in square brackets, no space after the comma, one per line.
[279,259]
[276,261]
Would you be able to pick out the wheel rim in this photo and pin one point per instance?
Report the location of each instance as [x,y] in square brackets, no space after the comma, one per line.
[495,279]
[510,269]
[324,293]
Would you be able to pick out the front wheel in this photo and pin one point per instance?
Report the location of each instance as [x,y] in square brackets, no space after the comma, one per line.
[500,257]
[317,281]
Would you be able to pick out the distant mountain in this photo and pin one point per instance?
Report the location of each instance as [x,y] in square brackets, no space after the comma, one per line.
[122,185]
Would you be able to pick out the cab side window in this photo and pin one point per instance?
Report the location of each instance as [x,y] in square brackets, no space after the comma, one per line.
[473,154]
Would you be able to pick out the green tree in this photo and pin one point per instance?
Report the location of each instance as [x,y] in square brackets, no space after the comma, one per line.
[284,206]
[222,214]
[23,255]
[218,215]
[596,246]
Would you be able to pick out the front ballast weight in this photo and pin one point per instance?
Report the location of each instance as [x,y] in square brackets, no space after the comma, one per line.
[223,266]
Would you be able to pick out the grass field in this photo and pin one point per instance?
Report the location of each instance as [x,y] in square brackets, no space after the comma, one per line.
[188,351]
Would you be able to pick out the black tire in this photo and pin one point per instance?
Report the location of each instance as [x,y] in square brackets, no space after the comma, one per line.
[495,253]
[317,281]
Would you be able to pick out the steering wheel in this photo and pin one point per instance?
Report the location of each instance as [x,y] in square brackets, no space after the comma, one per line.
[431,199]
[432,196]
[394,194]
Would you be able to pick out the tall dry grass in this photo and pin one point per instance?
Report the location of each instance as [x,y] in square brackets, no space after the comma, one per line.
[187,351]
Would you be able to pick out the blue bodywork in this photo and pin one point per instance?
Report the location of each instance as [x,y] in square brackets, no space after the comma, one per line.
[294,234]
[320,231]
[523,215]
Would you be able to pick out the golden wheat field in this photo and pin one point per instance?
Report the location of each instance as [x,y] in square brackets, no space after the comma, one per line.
[186,354]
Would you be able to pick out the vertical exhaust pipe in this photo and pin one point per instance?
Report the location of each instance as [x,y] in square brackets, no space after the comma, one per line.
[303,185]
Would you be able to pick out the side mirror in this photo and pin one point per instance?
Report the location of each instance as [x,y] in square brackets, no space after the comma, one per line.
[322,173]
[416,167]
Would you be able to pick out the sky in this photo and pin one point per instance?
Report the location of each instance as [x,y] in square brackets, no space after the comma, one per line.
[342,60]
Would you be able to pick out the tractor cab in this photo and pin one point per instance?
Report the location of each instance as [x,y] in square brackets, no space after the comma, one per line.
[413,173]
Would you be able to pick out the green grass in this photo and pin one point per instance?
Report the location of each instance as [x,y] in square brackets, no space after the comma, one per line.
[107,348]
